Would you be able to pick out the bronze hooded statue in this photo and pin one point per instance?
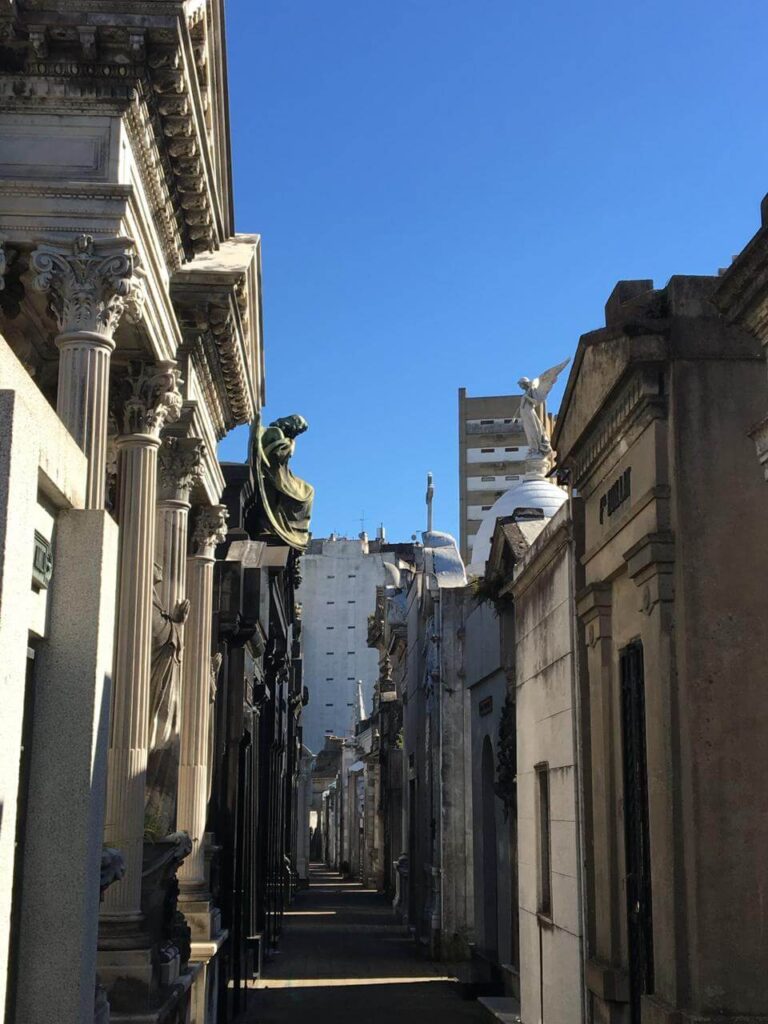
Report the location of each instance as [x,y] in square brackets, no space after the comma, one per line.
[286,498]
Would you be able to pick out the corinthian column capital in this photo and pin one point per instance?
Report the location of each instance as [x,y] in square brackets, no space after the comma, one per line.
[90,284]
[153,398]
[210,530]
[180,466]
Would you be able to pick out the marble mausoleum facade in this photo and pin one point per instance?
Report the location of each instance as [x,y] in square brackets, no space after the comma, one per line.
[151,672]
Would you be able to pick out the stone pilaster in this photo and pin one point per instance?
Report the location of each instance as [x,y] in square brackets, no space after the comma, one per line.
[90,287]
[210,530]
[153,400]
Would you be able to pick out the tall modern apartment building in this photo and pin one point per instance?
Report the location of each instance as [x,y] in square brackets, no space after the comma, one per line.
[492,457]
[337,594]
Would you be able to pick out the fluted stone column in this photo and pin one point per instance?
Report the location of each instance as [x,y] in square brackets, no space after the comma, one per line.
[210,530]
[179,467]
[153,400]
[91,286]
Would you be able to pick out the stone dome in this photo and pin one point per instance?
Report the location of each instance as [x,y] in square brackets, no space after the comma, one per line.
[533,491]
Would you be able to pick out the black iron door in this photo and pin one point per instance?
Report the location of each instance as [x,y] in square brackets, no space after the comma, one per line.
[637,835]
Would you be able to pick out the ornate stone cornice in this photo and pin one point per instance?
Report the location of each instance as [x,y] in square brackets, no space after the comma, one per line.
[212,337]
[159,55]
[210,529]
[90,284]
[153,398]
[179,467]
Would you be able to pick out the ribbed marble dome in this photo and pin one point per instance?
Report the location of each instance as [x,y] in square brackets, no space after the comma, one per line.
[532,492]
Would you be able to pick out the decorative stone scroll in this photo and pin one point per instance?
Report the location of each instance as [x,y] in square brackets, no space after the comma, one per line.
[153,400]
[210,529]
[180,466]
[90,285]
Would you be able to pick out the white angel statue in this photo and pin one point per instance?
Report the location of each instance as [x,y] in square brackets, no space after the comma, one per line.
[535,392]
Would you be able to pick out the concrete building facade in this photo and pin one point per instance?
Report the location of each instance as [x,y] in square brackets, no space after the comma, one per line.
[492,458]
[337,595]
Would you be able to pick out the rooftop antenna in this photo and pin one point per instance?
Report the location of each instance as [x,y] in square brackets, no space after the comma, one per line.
[362,521]
[430,497]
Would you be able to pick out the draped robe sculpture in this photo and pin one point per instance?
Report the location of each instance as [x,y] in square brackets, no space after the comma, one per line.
[287,499]
[165,683]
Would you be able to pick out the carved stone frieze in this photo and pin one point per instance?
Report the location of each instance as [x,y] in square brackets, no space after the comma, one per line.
[151,398]
[90,284]
[180,466]
[210,529]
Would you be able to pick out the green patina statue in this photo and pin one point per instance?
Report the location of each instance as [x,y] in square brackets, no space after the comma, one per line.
[287,498]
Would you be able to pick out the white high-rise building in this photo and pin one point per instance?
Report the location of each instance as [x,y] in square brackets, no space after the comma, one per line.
[337,594]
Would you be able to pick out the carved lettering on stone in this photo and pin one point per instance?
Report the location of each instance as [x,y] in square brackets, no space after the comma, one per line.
[153,400]
[90,285]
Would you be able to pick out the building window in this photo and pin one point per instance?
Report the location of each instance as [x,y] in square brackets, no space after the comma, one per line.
[329,705]
[512,477]
[329,627]
[487,451]
[330,577]
[350,652]
[511,449]
[491,478]
[350,627]
[350,704]
[329,653]
[485,508]
[329,679]
[350,602]
[543,837]
[350,679]
[486,421]
[352,576]
[507,421]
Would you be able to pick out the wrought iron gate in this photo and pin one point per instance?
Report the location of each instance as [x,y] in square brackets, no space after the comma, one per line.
[637,835]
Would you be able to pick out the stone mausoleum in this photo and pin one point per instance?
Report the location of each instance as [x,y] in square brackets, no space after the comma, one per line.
[132,726]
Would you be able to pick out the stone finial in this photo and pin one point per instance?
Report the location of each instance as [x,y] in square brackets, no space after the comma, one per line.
[90,284]
[154,399]
[180,466]
[210,529]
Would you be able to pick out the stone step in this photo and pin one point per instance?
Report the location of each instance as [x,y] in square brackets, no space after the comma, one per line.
[503,1009]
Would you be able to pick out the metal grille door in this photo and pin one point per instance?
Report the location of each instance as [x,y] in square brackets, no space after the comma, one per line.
[637,836]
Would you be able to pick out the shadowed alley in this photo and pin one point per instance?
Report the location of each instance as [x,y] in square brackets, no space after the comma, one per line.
[343,954]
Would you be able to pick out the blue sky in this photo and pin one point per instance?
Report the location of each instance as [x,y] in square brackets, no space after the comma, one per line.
[447,191]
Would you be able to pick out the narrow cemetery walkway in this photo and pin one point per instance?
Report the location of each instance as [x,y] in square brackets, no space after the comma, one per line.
[344,957]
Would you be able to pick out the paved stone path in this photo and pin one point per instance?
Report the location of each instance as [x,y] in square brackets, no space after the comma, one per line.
[343,957]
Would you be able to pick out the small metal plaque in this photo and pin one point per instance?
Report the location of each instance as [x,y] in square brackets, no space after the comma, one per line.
[42,562]
[485,707]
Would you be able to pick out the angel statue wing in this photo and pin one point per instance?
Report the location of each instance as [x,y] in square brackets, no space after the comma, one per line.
[541,387]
